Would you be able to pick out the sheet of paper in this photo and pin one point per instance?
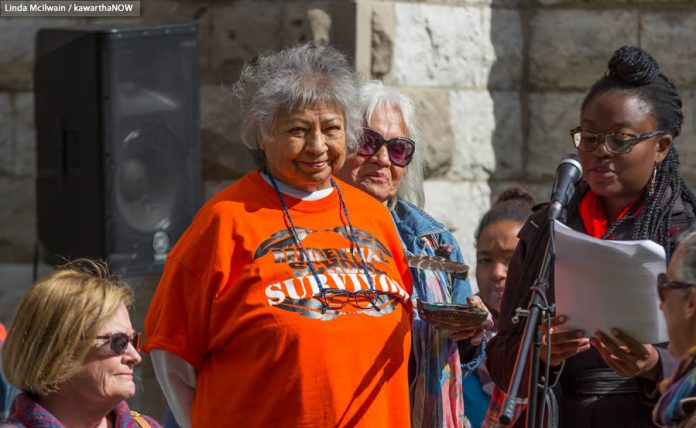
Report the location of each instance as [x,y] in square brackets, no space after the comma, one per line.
[602,284]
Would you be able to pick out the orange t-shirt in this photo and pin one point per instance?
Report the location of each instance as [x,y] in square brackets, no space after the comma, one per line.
[235,301]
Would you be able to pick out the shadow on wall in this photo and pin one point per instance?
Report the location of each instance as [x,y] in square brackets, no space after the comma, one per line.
[507,87]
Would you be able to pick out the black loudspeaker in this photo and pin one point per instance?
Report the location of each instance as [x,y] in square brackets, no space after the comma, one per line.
[118,152]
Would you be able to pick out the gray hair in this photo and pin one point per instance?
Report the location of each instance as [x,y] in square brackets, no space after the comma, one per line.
[297,77]
[683,263]
[375,95]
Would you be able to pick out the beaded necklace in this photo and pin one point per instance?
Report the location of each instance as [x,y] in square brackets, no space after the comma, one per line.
[303,252]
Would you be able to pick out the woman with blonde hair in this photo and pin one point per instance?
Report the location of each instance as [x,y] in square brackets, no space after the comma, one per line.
[71,349]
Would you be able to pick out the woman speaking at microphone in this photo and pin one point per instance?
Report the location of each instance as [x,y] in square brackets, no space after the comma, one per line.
[631,189]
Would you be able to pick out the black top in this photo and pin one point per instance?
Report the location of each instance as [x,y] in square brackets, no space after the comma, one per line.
[577,410]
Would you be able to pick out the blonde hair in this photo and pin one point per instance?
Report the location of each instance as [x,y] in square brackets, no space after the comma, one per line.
[46,343]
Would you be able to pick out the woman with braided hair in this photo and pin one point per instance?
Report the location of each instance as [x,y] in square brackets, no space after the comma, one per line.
[631,189]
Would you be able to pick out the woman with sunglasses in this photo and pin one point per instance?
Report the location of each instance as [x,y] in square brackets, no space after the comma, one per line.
[676,288]
[631,190]
[71,349]
[389,167]
[287,300]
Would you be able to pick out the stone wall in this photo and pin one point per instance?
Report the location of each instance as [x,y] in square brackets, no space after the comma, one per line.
[497,83]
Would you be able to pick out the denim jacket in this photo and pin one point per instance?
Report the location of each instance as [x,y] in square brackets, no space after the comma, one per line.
[434,366]
[413,223]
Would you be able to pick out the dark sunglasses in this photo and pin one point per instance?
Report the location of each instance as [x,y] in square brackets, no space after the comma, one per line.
[400,149]
[664,284]
[119,342]
[615,142]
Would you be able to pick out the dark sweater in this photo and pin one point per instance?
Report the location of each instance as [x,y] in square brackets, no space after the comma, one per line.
[628,410]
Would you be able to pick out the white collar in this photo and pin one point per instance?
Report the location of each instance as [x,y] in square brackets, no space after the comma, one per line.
[296,193]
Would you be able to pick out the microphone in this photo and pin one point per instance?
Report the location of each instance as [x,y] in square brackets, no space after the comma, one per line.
[568,174]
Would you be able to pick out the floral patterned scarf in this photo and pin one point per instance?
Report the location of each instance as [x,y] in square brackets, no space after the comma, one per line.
[678,391]
[436,389]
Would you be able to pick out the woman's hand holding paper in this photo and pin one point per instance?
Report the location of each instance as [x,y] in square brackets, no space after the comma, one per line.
[564,344]
[626,356]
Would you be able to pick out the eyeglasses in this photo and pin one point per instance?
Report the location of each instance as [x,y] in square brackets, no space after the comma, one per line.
[337,298]
[664,284]
[615,142]
[119,342]
[400,149]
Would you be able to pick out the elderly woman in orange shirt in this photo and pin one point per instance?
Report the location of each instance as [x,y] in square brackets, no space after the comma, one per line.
[287,300]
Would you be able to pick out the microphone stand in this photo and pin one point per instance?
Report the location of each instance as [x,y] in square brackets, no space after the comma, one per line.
[537,310]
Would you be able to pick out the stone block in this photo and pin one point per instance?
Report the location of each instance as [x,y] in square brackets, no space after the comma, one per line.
[553,2]
[299,22]
[17,135]
[15,281]
[382,28]
[662,2]
[432,109]
[551,116]
[685,142]
[459,206]
[167,11]
[241,30]
[17,38]
[212,187]
[507,40]
[224,156]
[238,32]
[594,2]
[497,3]
[6,135]
[488,135]
[17,219]
[659,35]
[570,48]
[352,32]
[158,12]
[319,23]
[25,135]
[540,190]
[464,47]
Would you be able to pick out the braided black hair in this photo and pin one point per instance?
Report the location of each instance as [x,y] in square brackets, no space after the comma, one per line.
[634,71]
[513,204]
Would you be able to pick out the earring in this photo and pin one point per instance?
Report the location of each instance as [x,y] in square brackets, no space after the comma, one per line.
[652,183]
